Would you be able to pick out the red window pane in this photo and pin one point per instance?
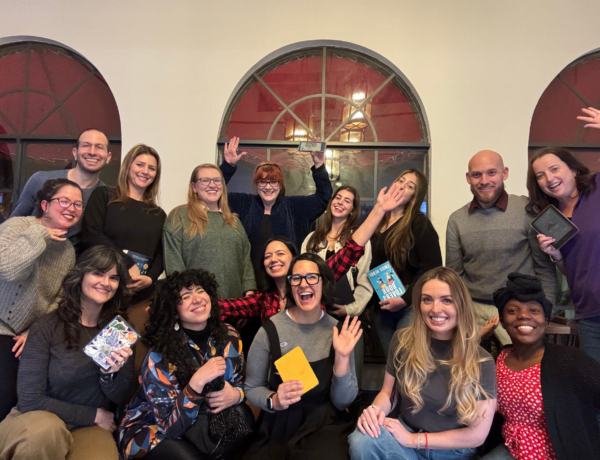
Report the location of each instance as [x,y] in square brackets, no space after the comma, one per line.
[289,129]
[393,116]
[295,79]
[11,108]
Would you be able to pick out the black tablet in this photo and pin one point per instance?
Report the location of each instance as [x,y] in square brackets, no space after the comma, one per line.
[552,222]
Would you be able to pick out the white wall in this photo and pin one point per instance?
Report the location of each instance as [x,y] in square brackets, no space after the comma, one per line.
[479,66]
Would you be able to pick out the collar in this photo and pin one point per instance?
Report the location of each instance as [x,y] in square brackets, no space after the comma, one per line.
[501,203]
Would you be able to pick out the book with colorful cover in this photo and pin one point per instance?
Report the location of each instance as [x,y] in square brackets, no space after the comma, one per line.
[116,334]
[143,262]
[386,282]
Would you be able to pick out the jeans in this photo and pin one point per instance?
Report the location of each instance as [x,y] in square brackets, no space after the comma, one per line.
[386,323]
[589,336]
[385,447]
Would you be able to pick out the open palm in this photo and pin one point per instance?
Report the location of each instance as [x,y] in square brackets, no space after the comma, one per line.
[345,340]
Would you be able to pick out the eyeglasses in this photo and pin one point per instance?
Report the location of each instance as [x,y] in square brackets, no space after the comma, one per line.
[88,146]
[265,183]
[311,278]
[206,181]
[66,203]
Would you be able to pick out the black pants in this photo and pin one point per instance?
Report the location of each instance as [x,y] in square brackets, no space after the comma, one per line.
[174,449]
[8,378]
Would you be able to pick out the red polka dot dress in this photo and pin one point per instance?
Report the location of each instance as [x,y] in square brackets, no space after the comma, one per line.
[520,403]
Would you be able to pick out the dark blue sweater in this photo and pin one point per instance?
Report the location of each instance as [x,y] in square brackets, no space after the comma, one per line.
[291,216]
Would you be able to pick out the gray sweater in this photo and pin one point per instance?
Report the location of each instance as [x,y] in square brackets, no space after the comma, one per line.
[32,268]
[221,250]
[67,382]
[484,246]
[315,341]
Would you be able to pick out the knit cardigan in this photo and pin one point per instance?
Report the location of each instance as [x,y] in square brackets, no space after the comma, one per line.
[32,268]
[571,394]
[291,216]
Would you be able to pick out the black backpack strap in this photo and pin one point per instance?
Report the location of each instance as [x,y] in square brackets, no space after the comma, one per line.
[274,380]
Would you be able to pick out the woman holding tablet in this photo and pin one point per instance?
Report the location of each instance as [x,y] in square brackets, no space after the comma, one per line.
[555,176]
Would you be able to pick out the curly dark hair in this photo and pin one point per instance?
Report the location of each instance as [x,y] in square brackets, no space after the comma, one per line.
[327,278]
[585,180]
[264,282]
[96,259]
[50,188]
[160,332]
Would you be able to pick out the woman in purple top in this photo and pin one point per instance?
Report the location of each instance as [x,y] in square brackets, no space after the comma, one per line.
[555,176]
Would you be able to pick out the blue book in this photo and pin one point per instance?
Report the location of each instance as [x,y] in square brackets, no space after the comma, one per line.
[143,262]
[386,282]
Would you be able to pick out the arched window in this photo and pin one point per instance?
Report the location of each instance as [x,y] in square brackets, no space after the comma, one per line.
[366,111]
[554,120]
[48,94]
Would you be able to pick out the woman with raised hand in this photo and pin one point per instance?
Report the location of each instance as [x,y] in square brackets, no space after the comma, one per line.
[297,425]
[556,177]
[191,351]
[443,381]
[66,400]
[548,394]
[35,256]
[127,217]
[405,238]
[271,212]
[205,234]
[279,252]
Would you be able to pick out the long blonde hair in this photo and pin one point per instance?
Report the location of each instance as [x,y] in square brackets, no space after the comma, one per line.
[197,209]
[121,193]
[400,240]
[413,359]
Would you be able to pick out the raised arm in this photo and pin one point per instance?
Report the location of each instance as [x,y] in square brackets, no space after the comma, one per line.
[231,156]
[386,201]
[592,117]
[20,248]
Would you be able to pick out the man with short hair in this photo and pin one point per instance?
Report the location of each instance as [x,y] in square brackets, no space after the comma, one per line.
[491,237]
[91,154]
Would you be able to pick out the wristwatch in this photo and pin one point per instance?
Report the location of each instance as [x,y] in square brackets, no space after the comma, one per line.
[270,401]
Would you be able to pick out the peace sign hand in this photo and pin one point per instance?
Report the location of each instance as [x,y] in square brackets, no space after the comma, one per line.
[230,151]
[346,339]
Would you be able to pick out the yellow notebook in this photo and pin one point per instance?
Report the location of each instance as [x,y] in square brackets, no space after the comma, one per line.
[295,366]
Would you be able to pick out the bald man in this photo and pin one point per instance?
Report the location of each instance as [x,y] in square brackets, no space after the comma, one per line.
[491,237]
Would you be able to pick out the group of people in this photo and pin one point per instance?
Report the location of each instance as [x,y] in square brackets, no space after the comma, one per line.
[76,253]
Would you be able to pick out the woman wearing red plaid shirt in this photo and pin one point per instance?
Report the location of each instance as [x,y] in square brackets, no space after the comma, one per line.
[279,253]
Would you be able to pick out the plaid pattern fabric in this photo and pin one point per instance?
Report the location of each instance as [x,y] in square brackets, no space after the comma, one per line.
[266,304]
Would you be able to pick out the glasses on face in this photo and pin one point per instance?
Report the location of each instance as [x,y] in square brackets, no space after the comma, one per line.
[88,146]
[206,181]
[266,183]
[311,278]
[66,203]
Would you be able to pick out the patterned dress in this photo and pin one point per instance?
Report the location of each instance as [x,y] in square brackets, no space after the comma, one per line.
[162,408]
[520,402]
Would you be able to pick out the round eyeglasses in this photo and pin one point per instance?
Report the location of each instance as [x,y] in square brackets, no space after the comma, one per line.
[66,203]
[311,278]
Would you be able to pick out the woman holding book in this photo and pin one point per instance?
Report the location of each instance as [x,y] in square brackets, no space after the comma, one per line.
[35,256]
[128,218]
[66,401]
[406,239]
[297,425]
[556,177]
[205,234]
[443,381]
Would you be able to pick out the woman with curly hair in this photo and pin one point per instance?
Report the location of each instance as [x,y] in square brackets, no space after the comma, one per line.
[66,402]
[35,256]
[195,363]
[442,379]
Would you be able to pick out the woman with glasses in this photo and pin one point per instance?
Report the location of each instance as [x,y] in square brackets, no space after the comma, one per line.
[294,424]
[271,213]
[129,219]
[35,256]
[205,234]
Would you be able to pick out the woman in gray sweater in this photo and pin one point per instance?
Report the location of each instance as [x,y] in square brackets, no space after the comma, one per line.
[34,259]
[66,400]
[293,424]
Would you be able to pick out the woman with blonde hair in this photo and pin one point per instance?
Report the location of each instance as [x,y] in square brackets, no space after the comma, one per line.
[444,381]
[406,239]
[127,217]
[205,234]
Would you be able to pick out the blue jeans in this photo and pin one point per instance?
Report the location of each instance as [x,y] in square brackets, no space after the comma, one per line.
[385,447]
[589,336]
[387,323]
